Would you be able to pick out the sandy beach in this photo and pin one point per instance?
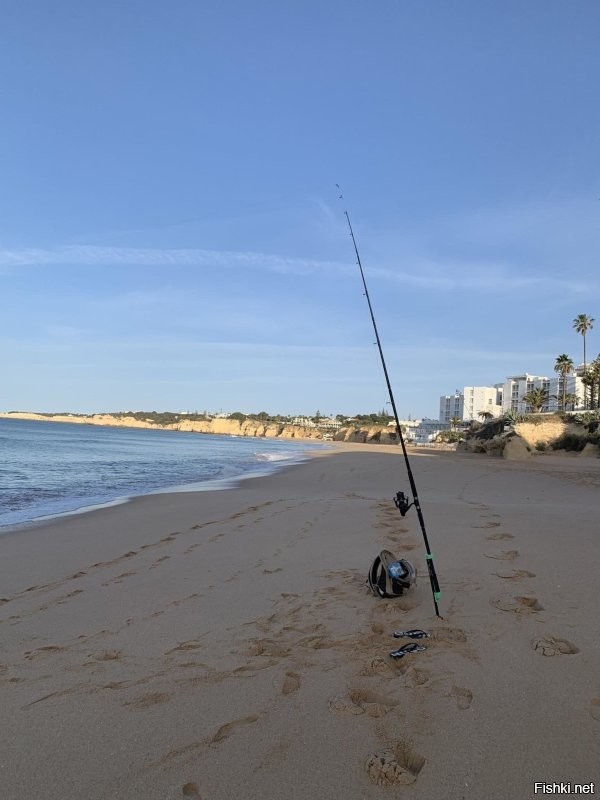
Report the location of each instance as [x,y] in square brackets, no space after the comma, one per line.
[223,644]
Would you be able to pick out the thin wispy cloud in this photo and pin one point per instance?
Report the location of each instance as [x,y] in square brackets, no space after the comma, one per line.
[477,276]
[426,273]
[90,255]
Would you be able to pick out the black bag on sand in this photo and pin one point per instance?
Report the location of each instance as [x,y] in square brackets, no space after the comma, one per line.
[390,576]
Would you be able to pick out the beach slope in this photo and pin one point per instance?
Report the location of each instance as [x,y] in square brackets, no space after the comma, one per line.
[223,644]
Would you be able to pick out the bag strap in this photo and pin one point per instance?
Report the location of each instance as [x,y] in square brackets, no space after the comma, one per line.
[377,577]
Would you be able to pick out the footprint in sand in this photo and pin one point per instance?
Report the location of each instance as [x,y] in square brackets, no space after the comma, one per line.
[515,574]
[385,525]
[595,708]
[462,696]
[106,655]
[158,561]
[498,536]
[518,605]
[226,730]
[416,676]
[505,555]
[450,635]
[48,649]
[102,564]
[276,648]
[553,646]
[397,765]
[291,683]
[362,701]
[185,646]
[255,648]
[118,578]
[63,599]
[378,666]
[191,790]
[341,705]
[148,700]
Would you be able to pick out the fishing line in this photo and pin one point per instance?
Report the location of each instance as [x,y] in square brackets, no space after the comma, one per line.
[400,500]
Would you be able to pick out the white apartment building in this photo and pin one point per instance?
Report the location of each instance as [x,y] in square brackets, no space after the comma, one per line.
[516,386]
[468,404]
[573,386]
[451,405]
[482,399]
[471,402]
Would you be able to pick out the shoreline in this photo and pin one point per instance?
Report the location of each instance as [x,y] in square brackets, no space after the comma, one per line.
[297,452]
[223,643]
[210,485]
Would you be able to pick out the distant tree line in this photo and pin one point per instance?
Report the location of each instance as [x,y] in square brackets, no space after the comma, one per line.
[163,417]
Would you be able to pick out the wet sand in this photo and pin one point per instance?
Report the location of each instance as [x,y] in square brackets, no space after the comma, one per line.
[223,644]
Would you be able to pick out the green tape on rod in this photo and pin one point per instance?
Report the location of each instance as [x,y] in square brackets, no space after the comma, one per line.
[429,556]
[437,596]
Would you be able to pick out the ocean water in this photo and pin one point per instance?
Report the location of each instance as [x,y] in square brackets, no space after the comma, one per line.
[51,468]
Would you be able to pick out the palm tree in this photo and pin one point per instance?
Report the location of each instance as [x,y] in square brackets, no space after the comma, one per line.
[536,398]
[455,422]
[563,366]
[485,416]
[570,399]
[582,324]
[592,379]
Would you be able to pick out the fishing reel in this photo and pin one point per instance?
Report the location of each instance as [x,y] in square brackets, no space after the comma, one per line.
[402,503]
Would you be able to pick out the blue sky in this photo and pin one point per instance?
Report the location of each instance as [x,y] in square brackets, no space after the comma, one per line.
[170,231]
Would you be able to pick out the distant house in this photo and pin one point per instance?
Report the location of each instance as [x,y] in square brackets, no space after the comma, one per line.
[324,422]
[427,430]
[305,422]
[330,423]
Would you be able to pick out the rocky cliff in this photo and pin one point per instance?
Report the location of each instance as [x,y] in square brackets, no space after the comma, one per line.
[227,427]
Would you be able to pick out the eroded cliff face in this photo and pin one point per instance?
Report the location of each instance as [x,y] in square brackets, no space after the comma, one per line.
[226,427]
[375,434]
[248,427]
[527,437]
[545,432]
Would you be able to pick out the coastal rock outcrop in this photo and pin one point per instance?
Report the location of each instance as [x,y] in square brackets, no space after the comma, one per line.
[375,434]
[534,433]
[226,427]
[515,449]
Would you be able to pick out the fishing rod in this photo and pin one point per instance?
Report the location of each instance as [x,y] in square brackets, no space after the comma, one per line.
[401,502]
